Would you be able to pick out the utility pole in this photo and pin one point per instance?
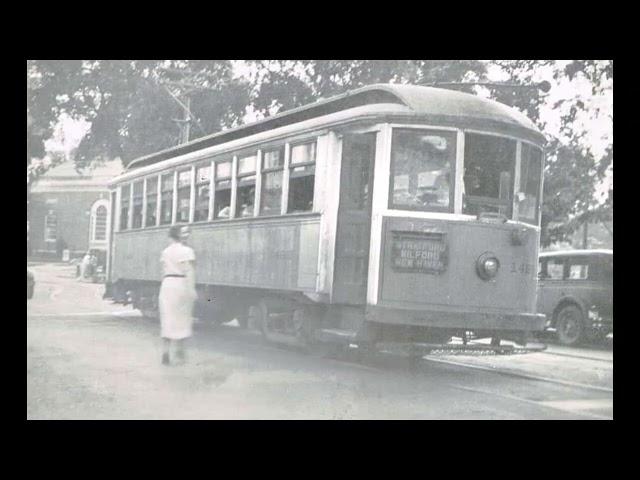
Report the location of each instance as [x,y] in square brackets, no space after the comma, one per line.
[185,87]
[187,120]
[185,123]
[585,236]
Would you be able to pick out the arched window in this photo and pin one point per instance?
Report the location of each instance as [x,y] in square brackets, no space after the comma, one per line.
[99,221]
[100,225]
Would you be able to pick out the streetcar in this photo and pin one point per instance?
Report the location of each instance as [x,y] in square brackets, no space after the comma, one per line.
[395,213]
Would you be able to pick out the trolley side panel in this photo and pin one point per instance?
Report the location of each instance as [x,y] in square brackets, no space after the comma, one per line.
[278,253]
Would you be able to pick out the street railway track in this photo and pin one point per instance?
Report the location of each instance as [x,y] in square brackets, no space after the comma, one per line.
[582,357]
[351,357]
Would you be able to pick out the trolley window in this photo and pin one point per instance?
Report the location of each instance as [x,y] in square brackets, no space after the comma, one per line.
[166,199]
[489,165]
[152,201]
[529,190]
[272,172]
[246,186]
[422,163]
[137,205]
[203,177]
[222,194]
[301,177]
[125,192]
[184,196]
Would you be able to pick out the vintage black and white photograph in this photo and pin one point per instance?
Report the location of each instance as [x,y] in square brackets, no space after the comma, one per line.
[319,239]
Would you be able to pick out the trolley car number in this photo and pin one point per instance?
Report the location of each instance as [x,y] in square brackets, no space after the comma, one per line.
[523,268]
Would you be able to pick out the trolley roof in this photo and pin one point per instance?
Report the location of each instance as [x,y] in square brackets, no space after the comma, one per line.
[435,104]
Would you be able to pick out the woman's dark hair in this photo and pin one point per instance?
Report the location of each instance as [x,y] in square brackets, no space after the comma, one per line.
[174,232]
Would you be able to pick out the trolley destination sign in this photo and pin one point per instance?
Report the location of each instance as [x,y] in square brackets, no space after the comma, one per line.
[418,252]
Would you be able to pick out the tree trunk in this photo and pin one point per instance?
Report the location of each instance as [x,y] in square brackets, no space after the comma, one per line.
[585,236]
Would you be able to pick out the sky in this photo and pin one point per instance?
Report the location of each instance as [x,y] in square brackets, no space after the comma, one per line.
[69,132]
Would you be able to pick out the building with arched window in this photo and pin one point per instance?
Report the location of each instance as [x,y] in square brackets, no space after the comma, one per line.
[67,210]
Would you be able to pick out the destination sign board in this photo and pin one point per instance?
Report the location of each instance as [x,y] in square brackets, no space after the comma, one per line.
[419,252]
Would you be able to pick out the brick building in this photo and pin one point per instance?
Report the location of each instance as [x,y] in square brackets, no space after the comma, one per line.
[69,210]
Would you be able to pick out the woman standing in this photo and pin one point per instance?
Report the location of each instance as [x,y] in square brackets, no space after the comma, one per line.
[177,293]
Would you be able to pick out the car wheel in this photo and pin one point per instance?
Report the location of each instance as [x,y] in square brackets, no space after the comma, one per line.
[570,325]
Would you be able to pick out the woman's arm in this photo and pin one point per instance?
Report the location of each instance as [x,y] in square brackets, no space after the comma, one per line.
[191,273]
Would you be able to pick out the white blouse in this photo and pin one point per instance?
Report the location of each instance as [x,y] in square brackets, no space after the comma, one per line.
[175,259]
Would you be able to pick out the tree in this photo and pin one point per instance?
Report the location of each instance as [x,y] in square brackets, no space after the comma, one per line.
[129,103]
[569,195]
[574,169]
[132,113]
[284,84]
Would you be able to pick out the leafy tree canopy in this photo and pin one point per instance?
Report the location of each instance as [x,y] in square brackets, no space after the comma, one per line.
[575,168]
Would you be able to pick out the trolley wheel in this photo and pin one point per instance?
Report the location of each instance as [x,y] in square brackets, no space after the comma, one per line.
[294,328]
[365,352]
[266,319]
[149,309]
[306,320]
[262,320]
[243,321]
[570,325]
[302,325]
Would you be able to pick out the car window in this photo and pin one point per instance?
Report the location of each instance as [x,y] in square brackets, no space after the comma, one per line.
[578,272]
[555,268]
[578,268]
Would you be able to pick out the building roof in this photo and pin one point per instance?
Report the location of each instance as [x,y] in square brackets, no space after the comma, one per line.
[64,177]
[440,105]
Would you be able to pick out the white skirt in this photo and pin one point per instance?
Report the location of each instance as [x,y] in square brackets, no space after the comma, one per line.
[175,304]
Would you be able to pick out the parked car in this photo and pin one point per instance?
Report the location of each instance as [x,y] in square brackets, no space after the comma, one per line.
[575,292]
[31,283]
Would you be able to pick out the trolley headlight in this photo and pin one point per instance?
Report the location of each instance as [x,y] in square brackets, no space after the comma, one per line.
[487,266]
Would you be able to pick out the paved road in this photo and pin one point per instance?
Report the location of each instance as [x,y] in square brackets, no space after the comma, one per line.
[88,359]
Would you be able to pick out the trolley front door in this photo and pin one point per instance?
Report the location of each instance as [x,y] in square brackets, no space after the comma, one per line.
[354,219]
